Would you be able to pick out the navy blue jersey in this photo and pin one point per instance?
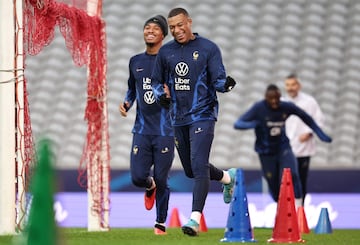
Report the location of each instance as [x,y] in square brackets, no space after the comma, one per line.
[269,125]
[151,118]
[193,72]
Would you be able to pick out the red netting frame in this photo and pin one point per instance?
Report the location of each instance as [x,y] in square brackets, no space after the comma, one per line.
[86,40]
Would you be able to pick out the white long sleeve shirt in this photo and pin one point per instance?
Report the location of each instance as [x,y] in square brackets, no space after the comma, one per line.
[295,127]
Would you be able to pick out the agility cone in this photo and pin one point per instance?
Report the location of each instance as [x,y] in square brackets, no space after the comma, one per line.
[202,225]
[323,225]
[238,227]
[41,227]
[302,221]
[174,218]
[286,228]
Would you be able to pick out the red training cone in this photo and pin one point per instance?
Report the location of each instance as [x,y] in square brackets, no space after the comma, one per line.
[174,218]
[286,229]
[202,225]
[302,221]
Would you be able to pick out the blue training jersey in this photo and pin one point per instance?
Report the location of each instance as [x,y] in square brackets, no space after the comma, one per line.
[193,72]
[151,118]
[269,125]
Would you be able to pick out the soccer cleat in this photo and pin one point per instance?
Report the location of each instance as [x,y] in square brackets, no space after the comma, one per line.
[159,229]
[228,188]
[149,198]
[191,228]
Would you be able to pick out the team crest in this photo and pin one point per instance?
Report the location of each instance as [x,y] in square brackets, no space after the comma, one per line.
[135,150]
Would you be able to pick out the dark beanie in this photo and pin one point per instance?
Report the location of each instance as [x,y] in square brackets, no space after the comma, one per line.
[160,21]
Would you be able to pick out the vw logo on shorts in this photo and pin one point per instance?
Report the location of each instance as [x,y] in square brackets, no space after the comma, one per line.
[149,97]
[181,69]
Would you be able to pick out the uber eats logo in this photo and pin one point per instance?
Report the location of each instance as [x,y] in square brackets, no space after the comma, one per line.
[148,95]
[182,70]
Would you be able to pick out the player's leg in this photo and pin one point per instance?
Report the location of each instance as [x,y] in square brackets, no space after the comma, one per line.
[270,171]
[182,143]
[201,137]
[163,158]
[141,160]
[288,160]
[303,166]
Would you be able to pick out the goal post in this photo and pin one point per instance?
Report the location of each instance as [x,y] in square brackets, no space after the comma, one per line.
[7,118]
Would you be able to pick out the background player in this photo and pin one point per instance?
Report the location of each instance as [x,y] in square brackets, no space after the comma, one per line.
[300,135]
[153,141]
[268,118]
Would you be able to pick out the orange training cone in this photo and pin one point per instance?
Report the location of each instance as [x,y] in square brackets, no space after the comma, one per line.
[302,221]
[202,225]
[174,218]
[286,229]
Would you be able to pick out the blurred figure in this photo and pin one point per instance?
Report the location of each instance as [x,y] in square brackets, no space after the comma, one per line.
[268,118]
[188,73]
[300,135]
[153,138]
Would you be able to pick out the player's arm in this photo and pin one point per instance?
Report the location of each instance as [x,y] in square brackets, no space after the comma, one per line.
[130,94]
[308,120]
[160,89]
[247,120]
[222,82]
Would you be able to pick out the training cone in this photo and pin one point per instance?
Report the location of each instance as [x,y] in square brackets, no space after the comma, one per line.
[302,221]
[286,228]
[41,227]
[238,228]
[202,225]
[323,225]
[174,218]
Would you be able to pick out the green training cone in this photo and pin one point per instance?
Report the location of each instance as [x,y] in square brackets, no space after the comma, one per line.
[41,227]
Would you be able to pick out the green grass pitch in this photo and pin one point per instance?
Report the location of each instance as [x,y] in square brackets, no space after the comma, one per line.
[137,236]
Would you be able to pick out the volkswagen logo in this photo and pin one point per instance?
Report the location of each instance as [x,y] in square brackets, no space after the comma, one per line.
[149,97]
[181,69]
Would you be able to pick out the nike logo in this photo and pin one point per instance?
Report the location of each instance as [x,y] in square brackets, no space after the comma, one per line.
[165,150]
[139,69]
[198,130]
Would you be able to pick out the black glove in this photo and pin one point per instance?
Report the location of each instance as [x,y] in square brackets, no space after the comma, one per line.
[164,101]
[126,107]
[229,84]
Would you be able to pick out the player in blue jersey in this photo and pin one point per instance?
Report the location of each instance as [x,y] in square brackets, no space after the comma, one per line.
[153,138]
[188,73]
[268,118]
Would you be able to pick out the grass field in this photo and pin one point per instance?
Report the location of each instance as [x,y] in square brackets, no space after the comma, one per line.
[175,237]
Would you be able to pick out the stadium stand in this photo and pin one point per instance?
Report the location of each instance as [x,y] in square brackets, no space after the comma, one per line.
[262,41]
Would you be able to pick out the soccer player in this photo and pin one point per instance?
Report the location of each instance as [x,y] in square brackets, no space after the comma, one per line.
[300,135]
[188,73]
[268,118]
[153,138]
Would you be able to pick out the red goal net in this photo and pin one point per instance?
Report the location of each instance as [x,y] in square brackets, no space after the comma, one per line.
[85,39]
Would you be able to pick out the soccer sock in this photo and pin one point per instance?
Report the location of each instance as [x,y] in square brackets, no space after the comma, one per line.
[195,215]
[153,185]
[226,178]
[298,202]
[160,226]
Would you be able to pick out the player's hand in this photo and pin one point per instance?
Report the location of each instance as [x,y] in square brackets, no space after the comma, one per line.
[230,83]
[325,138]
[164,101]
[123,108]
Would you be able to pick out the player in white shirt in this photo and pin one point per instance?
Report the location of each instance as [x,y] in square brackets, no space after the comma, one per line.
[301,136]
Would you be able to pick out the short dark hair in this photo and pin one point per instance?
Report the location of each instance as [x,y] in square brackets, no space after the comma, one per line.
[177,11]
[272,87]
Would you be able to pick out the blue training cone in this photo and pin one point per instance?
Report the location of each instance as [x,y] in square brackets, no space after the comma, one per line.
[324,225]
[238,227]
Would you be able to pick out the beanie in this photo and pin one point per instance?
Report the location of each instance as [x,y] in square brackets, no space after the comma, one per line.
[160,21]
